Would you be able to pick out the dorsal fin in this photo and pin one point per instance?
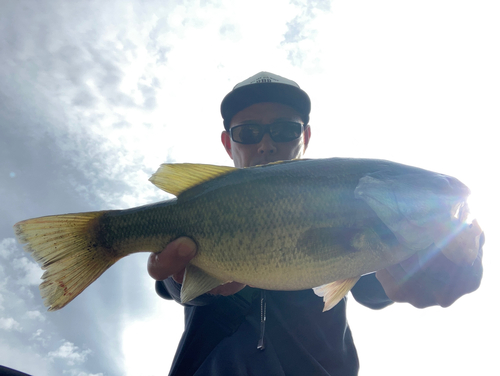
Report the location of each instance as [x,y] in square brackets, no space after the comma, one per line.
[176,178]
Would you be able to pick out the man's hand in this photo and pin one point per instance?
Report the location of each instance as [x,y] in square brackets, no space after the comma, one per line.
[429,278]
[172,261]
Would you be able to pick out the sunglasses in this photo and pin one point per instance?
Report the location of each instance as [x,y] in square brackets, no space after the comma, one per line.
[281,131]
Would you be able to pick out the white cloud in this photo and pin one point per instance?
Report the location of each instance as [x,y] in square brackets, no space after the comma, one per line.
[9,324]
[4,280]
[37,335]
[40,337]
[300,38]
[7,247]
[35,315]
[158,354]
[70,353]
[23,358]
[31,272]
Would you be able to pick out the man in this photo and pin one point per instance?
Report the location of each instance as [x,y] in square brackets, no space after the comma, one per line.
[238,330]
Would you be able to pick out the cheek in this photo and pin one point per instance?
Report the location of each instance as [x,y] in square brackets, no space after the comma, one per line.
[242,153]
[295,150]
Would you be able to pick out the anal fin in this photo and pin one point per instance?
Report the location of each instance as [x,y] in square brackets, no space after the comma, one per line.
[196,282]
[333,292]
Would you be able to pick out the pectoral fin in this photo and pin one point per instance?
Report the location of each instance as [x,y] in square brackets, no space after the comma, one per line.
[333,292]
[196,282]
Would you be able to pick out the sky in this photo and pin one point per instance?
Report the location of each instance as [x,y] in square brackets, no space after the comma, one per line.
[94,96]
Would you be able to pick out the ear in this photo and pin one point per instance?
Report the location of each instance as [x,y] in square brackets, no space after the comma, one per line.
[226,141]
[307,136]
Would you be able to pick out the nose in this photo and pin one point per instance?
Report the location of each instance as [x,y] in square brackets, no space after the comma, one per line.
[267,145]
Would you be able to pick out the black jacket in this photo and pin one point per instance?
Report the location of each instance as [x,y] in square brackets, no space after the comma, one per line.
[222,333]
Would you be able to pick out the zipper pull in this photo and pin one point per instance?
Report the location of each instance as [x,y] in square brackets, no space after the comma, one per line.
[261,346]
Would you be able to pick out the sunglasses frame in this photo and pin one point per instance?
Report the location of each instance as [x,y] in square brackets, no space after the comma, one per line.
[266,129]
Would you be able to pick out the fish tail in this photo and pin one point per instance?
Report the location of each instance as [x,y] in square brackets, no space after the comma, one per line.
[67,248]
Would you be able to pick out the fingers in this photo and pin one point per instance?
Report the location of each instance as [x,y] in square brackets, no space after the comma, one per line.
[465,280]
[397,287]
[172,261]
[430,279]
[403,288]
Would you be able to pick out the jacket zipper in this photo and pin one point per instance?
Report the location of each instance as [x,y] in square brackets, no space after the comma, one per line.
[261,346]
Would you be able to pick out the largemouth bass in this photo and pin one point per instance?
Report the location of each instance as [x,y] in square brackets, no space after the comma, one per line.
[284,226]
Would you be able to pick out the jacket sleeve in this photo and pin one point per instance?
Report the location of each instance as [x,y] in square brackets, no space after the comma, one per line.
[369,292]
[171,290]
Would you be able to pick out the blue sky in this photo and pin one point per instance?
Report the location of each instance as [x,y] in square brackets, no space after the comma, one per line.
[95,96]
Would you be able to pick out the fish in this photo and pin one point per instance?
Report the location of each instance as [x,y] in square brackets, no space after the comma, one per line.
[289,225]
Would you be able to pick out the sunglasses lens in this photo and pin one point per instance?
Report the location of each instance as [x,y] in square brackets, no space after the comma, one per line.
[247,133]
[283,131]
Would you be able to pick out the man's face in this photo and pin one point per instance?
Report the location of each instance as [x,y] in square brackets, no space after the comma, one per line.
[266,150]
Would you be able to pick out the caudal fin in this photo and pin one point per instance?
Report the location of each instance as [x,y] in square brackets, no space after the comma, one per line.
[66,248]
